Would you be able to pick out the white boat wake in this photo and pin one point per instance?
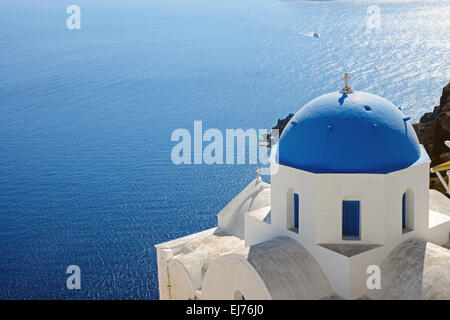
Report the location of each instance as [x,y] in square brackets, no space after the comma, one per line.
[311,34]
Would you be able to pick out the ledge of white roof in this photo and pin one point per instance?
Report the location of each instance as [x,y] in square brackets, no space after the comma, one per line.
[262,214]
[439,209]
[349,250]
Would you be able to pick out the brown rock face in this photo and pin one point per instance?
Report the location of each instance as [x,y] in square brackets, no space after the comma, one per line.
[432,130]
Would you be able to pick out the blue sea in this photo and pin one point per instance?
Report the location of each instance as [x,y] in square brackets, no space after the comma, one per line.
[86,117]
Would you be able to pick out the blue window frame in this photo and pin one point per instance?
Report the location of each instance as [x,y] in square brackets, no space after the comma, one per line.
[404,211]
[350,219]
[296,210]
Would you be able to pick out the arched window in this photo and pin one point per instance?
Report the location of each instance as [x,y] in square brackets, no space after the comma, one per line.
[351,220]
[296,210]
[407,211]
[404,210]
[293,211]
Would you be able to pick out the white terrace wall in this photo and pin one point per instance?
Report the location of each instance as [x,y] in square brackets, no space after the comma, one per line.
[333,189]
[320,204]
[257,231]
[283,185]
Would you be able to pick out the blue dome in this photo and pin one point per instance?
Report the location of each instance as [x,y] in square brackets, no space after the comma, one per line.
[349,133]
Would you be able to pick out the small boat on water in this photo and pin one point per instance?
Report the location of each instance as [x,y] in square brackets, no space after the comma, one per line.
[311,34]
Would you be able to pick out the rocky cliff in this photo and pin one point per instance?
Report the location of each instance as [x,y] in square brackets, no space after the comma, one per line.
[281,124]
[432,130]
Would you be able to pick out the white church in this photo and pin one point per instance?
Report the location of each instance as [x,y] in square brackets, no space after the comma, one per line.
[348,203]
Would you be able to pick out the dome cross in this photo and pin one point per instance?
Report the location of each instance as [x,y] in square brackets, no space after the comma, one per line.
[346,88]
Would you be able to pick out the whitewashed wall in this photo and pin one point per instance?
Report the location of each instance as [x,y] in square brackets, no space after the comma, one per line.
[320,220]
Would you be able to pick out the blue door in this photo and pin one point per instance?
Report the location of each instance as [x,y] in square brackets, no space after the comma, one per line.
[296,210]
[350,219]
[404,211]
